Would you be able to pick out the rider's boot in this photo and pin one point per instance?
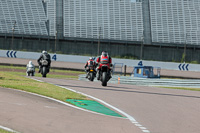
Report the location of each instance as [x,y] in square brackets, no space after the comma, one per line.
[98,75]
[110,76]
[86,75]
[39,69]
[95,73]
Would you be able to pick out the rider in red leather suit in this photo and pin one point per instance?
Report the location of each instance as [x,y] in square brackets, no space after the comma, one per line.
[88,63]
[104,59]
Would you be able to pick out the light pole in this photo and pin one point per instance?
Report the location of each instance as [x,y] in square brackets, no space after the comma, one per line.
[13,30]
[142,40]
[99,41]
[185,46]
[55,40]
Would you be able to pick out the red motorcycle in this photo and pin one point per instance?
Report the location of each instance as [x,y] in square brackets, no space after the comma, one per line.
[105,74]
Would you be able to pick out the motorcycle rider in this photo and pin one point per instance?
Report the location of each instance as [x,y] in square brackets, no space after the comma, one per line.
[30,67]
[44,56]
[90,62]
[104,59]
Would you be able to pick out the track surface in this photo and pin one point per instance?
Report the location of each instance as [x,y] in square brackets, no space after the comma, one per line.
[26,113]
[159,110]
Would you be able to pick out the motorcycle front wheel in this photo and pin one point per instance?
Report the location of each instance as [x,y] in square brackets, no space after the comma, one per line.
[44,72]
[104,79]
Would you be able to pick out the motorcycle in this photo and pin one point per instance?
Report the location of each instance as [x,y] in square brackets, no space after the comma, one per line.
[30,71]
[91,73]
[44,68]
[105,75]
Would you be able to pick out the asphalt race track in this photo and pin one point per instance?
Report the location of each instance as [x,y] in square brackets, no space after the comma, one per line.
[156,110]
[27,113]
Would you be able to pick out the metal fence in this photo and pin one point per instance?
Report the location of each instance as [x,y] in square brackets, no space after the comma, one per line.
[186,83]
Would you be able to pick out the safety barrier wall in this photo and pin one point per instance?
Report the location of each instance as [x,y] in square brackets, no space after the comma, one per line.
[82,59]
[89,47]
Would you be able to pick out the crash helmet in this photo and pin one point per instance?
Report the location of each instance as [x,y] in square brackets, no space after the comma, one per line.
[30,63]
[104,53]
[90,58]
[44,52]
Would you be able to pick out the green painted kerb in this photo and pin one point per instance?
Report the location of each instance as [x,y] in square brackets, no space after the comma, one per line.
[93,106]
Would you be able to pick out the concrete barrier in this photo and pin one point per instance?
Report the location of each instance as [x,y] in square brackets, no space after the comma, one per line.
[83,59]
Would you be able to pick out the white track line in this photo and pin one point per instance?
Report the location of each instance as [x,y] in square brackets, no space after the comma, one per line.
[99,100]
[107,104]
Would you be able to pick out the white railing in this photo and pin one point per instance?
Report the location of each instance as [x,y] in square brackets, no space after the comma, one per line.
[187,83]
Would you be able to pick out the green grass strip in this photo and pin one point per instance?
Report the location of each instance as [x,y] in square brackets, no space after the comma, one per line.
[10,80]
[93,106]
[4,131]
[61,74]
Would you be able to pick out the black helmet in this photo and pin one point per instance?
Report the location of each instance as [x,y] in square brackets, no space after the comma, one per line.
[104,53]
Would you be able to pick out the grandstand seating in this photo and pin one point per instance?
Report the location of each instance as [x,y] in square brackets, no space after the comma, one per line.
[51,16]
[29,16]
[175,21]
[118,19]
[172,21]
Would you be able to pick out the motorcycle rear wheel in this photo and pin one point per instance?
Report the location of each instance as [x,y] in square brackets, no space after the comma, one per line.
[91,76]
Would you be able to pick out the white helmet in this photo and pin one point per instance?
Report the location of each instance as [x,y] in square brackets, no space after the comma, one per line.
[91,58]
[30,63]
[44,52]
[104,53]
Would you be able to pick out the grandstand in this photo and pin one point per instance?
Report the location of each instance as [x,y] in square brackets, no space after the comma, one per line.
[171,21]
[126,24]
[111,19]
[175,21]
[50,6]
[29,16]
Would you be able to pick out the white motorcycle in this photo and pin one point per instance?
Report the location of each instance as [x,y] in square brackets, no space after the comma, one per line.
[30,69]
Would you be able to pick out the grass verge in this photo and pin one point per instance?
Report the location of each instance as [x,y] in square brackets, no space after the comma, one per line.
[13,80]
[4,131]
[54,73]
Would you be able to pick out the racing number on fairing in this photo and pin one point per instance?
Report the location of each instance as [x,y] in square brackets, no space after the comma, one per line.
[54,57]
